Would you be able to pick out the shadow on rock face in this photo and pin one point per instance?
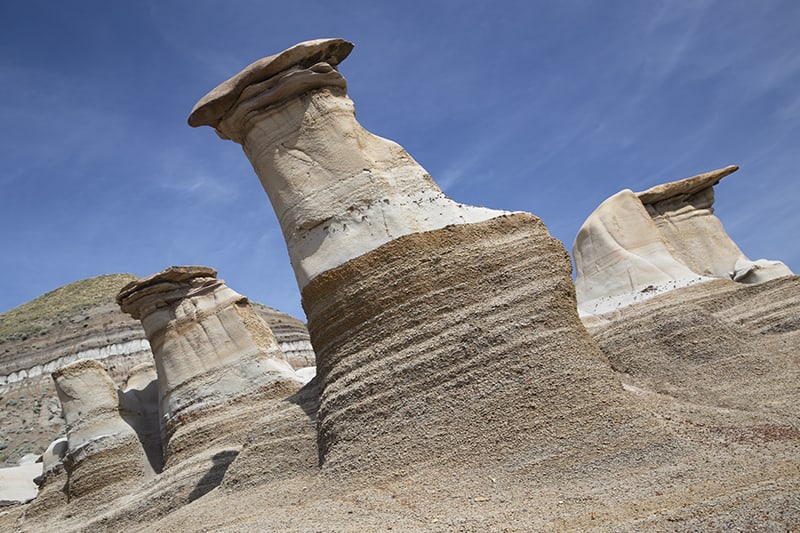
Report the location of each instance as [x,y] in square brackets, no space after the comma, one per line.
[139,409]
[307,398]
[211,480]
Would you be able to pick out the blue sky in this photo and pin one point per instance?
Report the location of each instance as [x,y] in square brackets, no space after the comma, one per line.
[547,107]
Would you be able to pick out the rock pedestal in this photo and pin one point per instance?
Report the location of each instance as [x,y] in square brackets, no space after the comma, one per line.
[434,323]
[338,190]
[217,360]
[104,455]
[636,245]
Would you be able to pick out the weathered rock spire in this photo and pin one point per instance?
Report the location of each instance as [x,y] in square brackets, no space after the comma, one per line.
[338,190]
[101,433]
[212,351]
[426,315]
[639,244]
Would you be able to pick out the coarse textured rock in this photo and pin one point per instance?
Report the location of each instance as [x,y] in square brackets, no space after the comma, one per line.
[213,354]
[291,334]
[419,308]
[219,398]
[78,321]
[104,452]
[83,321]
[458,391]
[722,344]
[636,245]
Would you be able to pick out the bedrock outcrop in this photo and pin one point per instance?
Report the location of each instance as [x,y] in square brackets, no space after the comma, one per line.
[82,320]
[105,454]
[219,392]
[338,190]
[636,245]
[213,355]
[458,390]
[431,320]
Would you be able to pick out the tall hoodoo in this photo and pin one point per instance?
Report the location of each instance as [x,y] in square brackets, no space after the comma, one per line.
[338,190]
[639,244]
[101,436]
[426,315]
[212,352]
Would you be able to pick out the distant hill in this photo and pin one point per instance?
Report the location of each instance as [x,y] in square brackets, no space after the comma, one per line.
[40,313]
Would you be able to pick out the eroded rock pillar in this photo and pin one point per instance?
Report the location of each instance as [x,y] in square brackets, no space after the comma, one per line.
[104,453]
[432,321]
[217,360]
[636,245]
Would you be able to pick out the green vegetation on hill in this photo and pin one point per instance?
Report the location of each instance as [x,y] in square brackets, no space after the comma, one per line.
[61,303]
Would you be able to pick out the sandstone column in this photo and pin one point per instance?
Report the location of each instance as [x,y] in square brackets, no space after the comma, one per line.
[636,245]
[441,330]
[217,360]
[105,455]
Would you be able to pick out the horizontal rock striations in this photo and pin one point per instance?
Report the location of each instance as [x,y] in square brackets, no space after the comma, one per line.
[430,345]
[219,393]
[338,191]
[430,319]
[291,334]
[214,356]
[105,455]
[635,245]
[722,344]
[457,388]
[83,321]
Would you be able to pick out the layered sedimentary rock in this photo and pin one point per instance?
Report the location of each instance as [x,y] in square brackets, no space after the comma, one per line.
[217,360]
[338,191]
[426,315]
[636,245]
[83,321]
[292,336]
[721,343]
[104,451]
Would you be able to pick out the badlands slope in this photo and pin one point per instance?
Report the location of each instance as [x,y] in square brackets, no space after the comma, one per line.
[457,387]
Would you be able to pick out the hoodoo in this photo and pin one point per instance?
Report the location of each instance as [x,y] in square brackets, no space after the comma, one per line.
[213,354]
[101,434]
[426,315]
[636,245]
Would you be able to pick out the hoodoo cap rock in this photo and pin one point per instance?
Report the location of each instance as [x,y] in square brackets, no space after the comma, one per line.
[214,105]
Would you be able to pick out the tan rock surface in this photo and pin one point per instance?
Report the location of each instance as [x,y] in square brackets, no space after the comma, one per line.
[372,237]
[338,190]
[211,350]
[16,483]
[459,391]
[105,455]
[78,321]
[220,391]
[636,245]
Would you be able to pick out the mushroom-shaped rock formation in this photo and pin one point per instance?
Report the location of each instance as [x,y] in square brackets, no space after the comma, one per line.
[430,319]
[217,361]
[637,245]
[104,455]
[338,190]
